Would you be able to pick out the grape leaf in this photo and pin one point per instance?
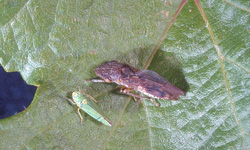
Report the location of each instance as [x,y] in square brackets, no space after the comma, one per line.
[200,47]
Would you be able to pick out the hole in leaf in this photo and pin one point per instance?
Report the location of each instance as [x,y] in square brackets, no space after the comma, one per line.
[15,94]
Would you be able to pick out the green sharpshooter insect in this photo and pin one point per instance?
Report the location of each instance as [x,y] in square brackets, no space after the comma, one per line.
[87,104]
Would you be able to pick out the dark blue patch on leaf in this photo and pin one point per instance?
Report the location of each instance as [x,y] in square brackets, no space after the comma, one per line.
[15,94]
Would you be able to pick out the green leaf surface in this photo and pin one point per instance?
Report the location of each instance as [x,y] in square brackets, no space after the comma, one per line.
[204,50]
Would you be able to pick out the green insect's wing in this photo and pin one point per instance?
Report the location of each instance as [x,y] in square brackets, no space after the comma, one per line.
[91,108]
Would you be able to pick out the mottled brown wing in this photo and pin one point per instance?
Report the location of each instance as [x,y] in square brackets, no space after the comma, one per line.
[152,76]
[153,85]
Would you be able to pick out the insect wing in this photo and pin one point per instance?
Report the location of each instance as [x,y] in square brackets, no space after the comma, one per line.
[152,85]
[152,76]
[94,111]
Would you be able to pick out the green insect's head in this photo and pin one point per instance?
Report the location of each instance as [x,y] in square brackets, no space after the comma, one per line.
[76,95]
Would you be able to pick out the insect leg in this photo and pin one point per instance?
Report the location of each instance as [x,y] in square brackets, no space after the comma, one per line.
[134,95]
[127,91]
[92,98]
[78,110]
[135,99]
[70,100]
[138,102]
[157,104]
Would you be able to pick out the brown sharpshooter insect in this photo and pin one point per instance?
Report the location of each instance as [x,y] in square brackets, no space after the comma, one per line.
[146,82]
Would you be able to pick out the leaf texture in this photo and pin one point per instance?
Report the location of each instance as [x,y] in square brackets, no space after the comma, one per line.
[201,47]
